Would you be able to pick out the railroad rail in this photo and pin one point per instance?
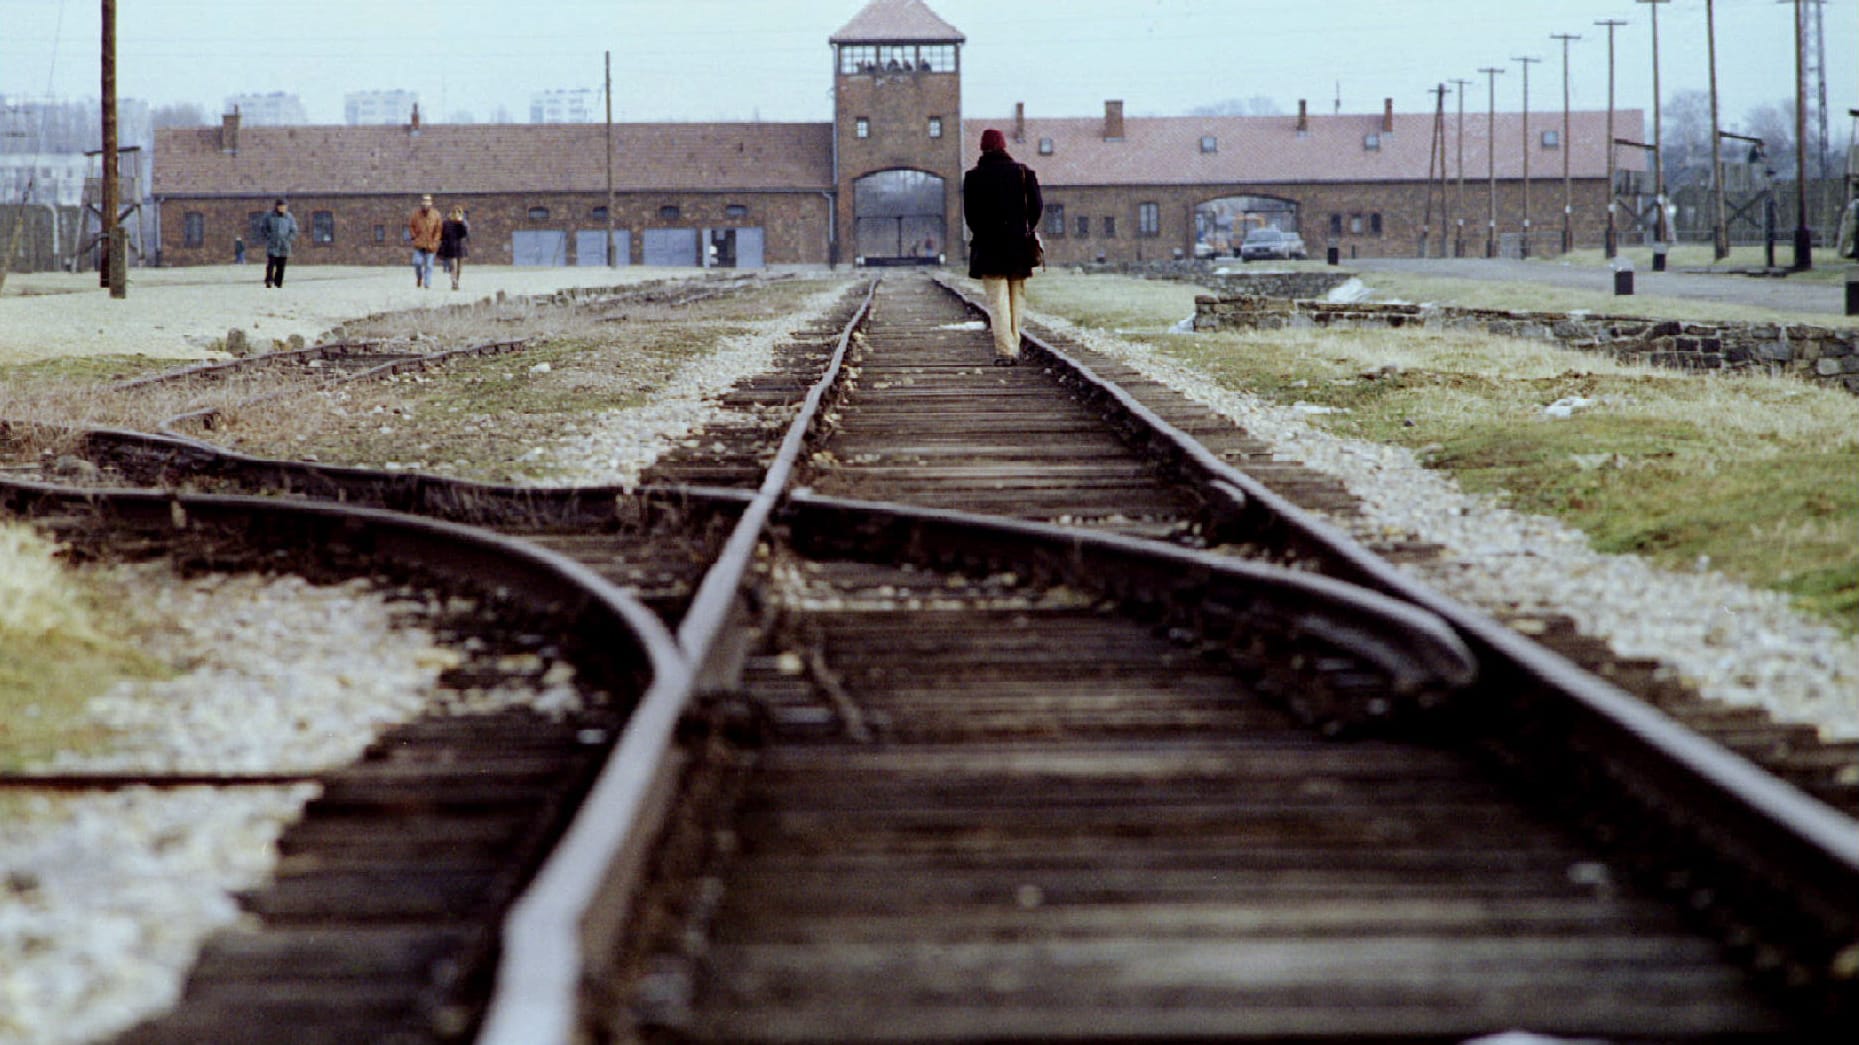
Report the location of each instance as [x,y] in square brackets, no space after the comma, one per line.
[941,773]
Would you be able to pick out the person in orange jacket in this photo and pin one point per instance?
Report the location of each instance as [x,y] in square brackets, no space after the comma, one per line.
[425,227]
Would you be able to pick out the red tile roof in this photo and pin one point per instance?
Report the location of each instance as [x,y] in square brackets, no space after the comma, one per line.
[488,158]
[1166,150]
[897,21]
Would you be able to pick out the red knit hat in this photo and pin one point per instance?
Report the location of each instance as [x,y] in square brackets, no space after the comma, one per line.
[993,141]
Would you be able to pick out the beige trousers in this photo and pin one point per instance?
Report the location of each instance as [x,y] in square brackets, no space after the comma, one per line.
[1006,306]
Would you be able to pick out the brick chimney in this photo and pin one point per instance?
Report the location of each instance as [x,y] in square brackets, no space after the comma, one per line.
[1303,117]
[1019,121]
[1387,116]
[1113,121]
[229,131]
[413,128]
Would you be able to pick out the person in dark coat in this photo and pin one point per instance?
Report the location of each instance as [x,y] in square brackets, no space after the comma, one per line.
[280,231]
[1002,206]
[454,243]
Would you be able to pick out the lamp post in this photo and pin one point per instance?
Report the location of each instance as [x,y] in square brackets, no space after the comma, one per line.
[1491,160]
[1803,236]
[1611,245]
[1660,232]
[1720,231]
[1526,63]
[1458,203]
[1568,146]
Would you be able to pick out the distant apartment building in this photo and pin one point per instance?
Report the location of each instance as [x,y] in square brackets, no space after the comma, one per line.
[572,105]
[276,109]
[368,108]
[43,177]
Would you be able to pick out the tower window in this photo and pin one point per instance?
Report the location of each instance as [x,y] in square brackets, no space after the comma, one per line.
[861,58]
[862,127]
[935,126]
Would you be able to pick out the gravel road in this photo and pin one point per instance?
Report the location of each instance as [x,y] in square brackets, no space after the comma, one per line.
[181,313]
[1788,294]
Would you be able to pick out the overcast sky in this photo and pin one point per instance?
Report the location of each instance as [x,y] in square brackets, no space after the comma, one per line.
[769,59]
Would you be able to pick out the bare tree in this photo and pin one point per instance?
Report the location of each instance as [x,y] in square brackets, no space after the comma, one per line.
[1774,124]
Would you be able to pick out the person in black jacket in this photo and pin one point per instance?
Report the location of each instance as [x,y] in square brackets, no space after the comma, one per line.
[454,243]
[1002,207]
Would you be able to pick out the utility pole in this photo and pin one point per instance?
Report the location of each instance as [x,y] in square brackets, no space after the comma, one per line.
[1526,63]
[1491,160]
[1458,203]
[1436,162]
[1720,232]
[1568,146]
[1612,242]
[115,249]
[1658,170]
[1803,236]
[612,260]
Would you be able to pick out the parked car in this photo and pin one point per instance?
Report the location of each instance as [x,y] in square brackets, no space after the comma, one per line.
[1271,243]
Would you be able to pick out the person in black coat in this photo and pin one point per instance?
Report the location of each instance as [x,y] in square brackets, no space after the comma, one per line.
[454,243]
[1002,206]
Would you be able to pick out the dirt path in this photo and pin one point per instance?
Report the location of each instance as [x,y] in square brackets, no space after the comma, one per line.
[1787,294]
[181,313]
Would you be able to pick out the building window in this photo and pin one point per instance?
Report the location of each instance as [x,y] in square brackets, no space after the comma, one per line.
[1336,224]
[193,229]
[1110,227]
[862,58]
[862,127]
[935,126]
[597,214]
[1374,224]
[1055,219]
[736,210]
[1148,219]
[538,214]
[936,58]
[1355,224]
[380,233]
[322,227]
[669,212]
[1552,139]
[1371,142]
[1045,146]
[1084,227]
[1209,143]
[254,226]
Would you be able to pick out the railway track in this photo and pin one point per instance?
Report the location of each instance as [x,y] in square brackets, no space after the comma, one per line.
[949,770]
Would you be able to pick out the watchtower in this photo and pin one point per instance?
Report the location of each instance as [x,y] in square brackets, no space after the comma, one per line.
[897,134]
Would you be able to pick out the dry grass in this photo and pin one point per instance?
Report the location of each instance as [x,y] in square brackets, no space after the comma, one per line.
[485,418]
[1752,474]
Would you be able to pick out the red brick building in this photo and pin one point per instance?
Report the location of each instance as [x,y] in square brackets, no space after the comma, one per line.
[881,184]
